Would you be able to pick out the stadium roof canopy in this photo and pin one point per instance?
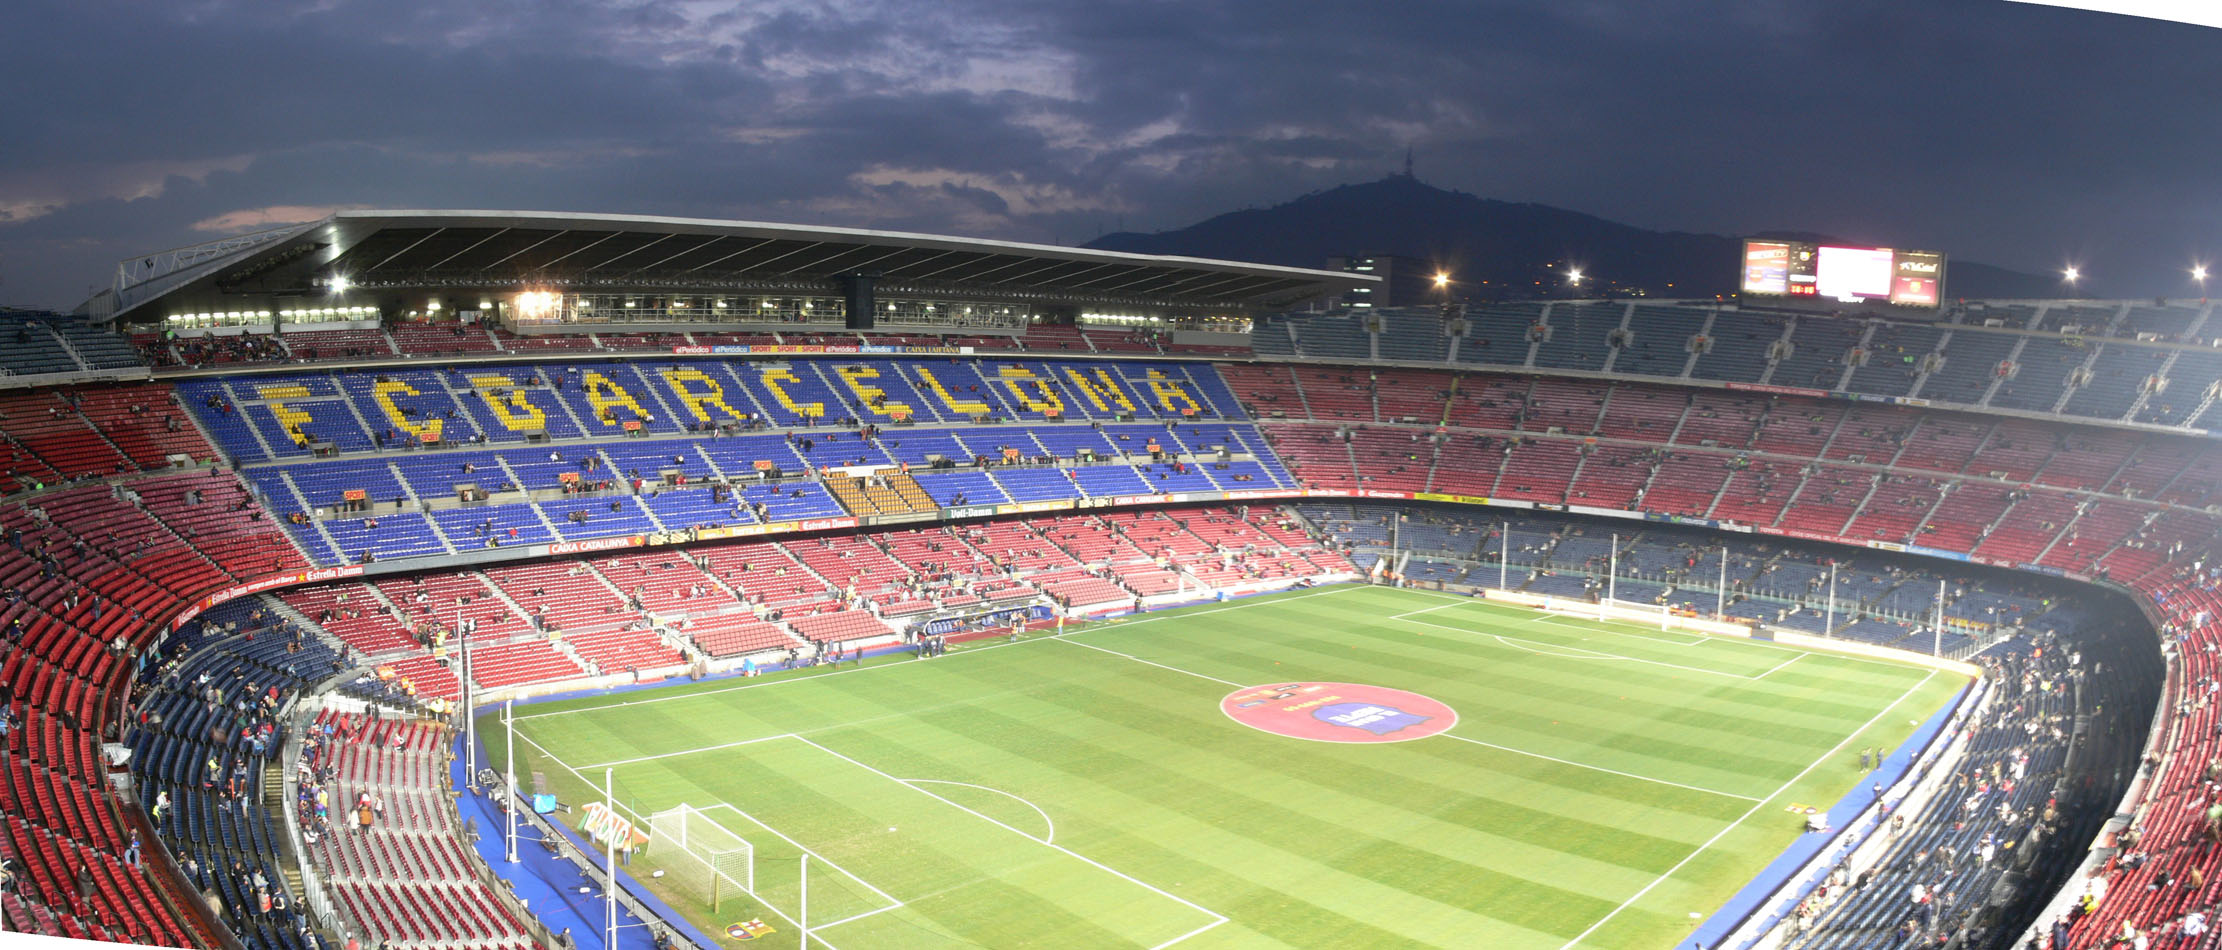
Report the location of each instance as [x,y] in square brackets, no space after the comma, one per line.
[502,252]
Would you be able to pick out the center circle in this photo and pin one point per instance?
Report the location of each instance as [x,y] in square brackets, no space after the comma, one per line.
[1338,712]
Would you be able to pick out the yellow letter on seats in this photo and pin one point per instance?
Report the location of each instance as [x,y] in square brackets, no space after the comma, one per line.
[289,418]
[711,393]
[963,407]
[603,394]
[1100,390]
[1018,379]
[518,414]
[383,394]
[871,398]
[1168,390]
[772,378]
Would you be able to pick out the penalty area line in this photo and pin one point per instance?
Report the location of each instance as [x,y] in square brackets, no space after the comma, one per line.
[1217,917]
[613,763]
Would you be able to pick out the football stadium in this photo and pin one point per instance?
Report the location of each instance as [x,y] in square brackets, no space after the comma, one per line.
[492,581]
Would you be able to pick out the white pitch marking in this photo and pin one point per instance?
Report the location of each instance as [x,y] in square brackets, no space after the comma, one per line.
[1154,663]
[970,650]
[1609,625]
[637,815]
[1762,803]
[1780,665]
[1219,917]
[1599,654]
[708,748]
[814,928]
[1019,799]
[1600,768]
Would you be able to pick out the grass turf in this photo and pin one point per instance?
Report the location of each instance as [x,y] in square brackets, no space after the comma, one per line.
[1605,785]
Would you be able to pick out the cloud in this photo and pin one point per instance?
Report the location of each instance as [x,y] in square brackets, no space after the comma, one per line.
[1998,132]
[28,193]
[255,219]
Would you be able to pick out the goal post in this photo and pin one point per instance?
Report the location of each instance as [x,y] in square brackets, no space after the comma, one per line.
[1661,614]
[703,856]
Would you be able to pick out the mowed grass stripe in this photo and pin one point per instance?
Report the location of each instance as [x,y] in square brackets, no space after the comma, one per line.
[1713,874]
[1310,658]
[1321,784]
[1368,787]
[1737,661]
[1190,843]
[1446,661]
[1557,692]
[1429,843]
[939,854]
[1295,816]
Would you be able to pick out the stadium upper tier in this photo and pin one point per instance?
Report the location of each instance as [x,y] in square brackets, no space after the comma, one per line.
[439,461]
[2114,361]
[2145,364]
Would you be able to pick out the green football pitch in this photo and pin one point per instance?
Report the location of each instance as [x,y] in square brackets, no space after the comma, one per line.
[1600,784]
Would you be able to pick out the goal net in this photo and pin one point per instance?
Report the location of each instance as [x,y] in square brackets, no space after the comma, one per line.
[1661,614]
[701,855]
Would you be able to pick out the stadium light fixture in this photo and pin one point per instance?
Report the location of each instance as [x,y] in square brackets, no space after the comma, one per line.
[338,283]
[534,304]
[1574,276]
[2199,273]
[2071,273]
[1442,280]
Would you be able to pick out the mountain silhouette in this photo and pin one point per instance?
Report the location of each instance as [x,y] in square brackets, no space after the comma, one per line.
[1499,249]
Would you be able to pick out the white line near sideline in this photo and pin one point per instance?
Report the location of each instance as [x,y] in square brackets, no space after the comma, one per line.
[640,818]
[1598,654]
[1600,768]
[665,755]
[1782,664]
[889,666]
[1130,656]
[1762,803]
[1609,625]
[1218,918]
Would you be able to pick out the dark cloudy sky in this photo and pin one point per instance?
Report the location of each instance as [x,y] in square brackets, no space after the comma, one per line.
[2014,134]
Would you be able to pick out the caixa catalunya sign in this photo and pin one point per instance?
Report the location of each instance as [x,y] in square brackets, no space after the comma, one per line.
[598,544]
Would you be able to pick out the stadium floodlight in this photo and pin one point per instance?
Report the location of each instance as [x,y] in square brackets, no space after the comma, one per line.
[338,283]
[1441,279]
[2199,273]
[2071,273]
[534,304]
[1574,276]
